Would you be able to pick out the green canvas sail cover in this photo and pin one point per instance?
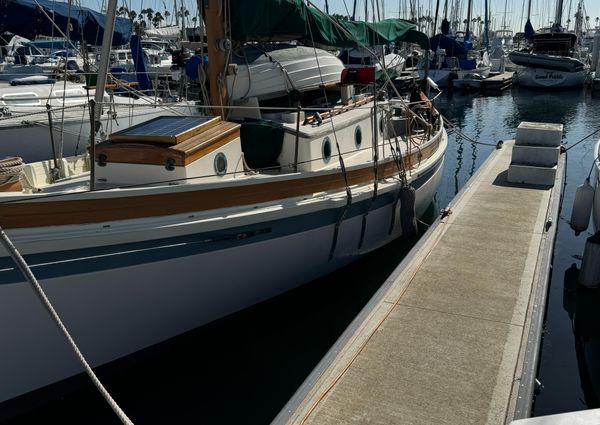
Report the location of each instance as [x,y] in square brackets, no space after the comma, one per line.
[281,20]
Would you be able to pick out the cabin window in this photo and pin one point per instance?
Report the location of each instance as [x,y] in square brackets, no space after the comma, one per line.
[358,137]
[326,149]
[122,55]
[220,164]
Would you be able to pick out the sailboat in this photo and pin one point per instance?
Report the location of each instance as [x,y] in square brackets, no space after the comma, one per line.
[42,116]
[454,59]
[551,59]
[176,222]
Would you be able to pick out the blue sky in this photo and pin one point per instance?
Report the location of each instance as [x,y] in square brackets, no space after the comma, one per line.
[542,11]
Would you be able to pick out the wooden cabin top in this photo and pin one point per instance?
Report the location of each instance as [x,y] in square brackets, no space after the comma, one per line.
[167,129]
[167,141]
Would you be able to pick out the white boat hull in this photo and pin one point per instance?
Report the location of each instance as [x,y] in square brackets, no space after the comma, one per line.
[596,204]
[118,299]
[546,78]
[30,139]
[446,77]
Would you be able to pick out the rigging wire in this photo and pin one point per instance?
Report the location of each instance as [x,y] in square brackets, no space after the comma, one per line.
[464,136]
[581,140]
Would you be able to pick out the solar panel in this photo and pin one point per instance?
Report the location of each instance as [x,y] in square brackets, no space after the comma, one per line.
[166,129]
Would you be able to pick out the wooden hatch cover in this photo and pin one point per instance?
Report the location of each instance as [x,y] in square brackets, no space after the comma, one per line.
[179,140]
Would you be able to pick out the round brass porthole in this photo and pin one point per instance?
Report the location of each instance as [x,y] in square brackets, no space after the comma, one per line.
[358,137]
[326,149]
[220,164]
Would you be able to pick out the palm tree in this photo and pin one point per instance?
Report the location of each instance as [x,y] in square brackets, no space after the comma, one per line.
[167,14]
[149,14]
[157,19]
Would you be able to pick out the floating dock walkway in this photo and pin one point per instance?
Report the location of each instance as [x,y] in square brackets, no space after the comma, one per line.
[452,337]
[497,83]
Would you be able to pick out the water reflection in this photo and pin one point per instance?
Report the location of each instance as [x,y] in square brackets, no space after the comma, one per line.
[555,107]
[583,306]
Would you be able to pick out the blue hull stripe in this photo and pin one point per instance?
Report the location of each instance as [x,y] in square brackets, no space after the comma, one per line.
[87,260]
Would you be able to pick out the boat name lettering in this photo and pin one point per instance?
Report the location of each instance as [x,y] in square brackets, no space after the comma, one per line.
[549,75]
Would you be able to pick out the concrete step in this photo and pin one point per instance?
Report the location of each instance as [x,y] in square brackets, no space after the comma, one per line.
[531,174]
[543,156]
[539,134]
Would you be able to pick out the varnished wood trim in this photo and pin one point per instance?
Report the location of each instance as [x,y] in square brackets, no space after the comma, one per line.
[181,154]
[54,213]
[219,143]
[137,153]
[11,187]
[336,111]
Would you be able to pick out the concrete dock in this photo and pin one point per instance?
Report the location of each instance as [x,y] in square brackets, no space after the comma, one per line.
[452,337]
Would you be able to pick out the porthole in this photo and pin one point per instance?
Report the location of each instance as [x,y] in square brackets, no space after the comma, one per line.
[220,164]
[326,149]
[358,137]
[380,126]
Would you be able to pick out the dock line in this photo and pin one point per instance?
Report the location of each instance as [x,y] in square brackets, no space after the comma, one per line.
[28,274]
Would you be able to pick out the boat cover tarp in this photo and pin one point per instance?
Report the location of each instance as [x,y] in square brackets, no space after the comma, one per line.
[24,18]
[451,46]
[281,20]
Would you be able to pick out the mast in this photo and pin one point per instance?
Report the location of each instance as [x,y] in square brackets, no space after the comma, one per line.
[96,105]
[437,9]
[470,4]
[558,17]
[104,57]
[217,48]
[486,29]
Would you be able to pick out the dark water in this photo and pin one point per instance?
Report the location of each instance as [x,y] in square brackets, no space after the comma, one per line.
[244,368]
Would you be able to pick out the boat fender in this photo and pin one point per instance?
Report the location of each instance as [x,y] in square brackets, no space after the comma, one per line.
[582,207]
[432,84]
[589,275]
[408,216]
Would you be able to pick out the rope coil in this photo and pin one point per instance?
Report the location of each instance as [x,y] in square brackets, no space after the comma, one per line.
[10,169]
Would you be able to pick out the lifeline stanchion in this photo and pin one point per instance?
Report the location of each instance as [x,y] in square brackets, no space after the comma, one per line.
[22,264]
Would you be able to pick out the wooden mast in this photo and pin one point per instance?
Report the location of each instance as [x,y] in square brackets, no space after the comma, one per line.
[216,47]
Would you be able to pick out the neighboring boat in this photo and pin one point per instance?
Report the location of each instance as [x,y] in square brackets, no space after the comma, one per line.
[549,63]
[582,304]
[469,82]
[273,70]
[596,203]
[194,218]
[501,45]
[551,60]
[42,117]
[25,127]
[452,61]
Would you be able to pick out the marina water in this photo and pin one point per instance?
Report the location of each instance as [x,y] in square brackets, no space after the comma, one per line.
[244,368]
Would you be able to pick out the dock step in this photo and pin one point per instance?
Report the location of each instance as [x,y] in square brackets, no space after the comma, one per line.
[531,174]
[535,153]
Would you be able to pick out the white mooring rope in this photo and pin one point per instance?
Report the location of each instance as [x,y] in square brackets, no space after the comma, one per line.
[22,264]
